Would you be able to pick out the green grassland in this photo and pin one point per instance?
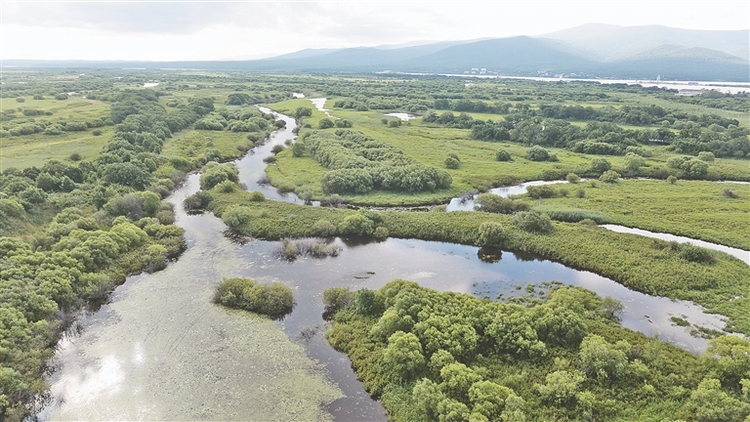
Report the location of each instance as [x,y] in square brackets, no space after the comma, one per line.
[431,144]
[691,208]
[33,150]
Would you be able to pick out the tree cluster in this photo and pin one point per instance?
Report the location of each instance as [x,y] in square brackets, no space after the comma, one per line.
[452,357]
[358,164]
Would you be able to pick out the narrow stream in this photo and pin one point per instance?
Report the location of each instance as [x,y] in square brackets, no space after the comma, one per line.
[160,350]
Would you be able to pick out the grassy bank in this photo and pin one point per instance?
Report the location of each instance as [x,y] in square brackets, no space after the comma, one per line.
[639,263]
[692,208]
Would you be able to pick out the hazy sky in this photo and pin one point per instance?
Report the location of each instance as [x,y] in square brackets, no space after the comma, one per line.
[205,30]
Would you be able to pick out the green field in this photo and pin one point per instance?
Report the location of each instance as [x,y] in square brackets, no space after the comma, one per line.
[33,150]
[689,208]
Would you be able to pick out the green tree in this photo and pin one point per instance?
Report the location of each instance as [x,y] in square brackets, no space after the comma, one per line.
[503,155]
[610,176]
[600,165]
[602,360]
[325,123]
[301,112]
[728,359]
[488,399]
[403,357]
[457,379]
[708,403]
[357,224]
[427,396]
[537,153]
[560,387]
[633,162]
[492,234]
[533,221]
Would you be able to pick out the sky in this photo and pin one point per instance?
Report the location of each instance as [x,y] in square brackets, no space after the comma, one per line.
[219,30]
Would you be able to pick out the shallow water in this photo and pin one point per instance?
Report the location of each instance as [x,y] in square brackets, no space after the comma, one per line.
[160,350]
[402,116]
[320,104]
[739,253]
[467,204]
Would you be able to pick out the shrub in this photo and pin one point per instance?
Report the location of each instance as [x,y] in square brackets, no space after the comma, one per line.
[537,153]
[610,176]
[298,149]
[574,215]
[600,165]
[503,155]
[580,193]
[226,186]
[236,217]
[533,221]
[394,123]
[274,300]
[277,149]
[729,193]
[694,168]
[324,228]
[197,201]
[344,123]
[357,225]
[492,234]
[572,178]
[381,232]
[325,123]
[337,298]
[256,196]
[271,159]
[541,191]
[452,163]
[706,156]
[214,173]
[75,157]
[672,180]
[495,203]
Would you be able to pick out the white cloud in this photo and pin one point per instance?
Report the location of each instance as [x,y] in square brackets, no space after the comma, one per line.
[202,30]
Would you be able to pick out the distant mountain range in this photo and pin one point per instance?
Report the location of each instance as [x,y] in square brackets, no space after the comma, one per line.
[592,50]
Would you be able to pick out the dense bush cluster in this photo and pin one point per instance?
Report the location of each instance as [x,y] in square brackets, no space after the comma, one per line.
[248,119]
[607,138]
[358,164]
[446,356]
[275,300]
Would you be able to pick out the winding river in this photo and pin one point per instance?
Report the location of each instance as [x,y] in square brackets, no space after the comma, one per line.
[160,350]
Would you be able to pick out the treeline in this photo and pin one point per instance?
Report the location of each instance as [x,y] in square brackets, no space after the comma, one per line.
[358,164]
[245,120]
[602,138]
[451,357]
[71,232]
[632,115]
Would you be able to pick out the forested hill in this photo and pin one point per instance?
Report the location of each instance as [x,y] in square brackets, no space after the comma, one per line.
[602,51]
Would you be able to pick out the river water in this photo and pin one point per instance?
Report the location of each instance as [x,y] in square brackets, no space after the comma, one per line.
[160,350]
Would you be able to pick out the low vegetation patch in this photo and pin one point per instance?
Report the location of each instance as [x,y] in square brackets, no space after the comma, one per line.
[274,300]
[293,249]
